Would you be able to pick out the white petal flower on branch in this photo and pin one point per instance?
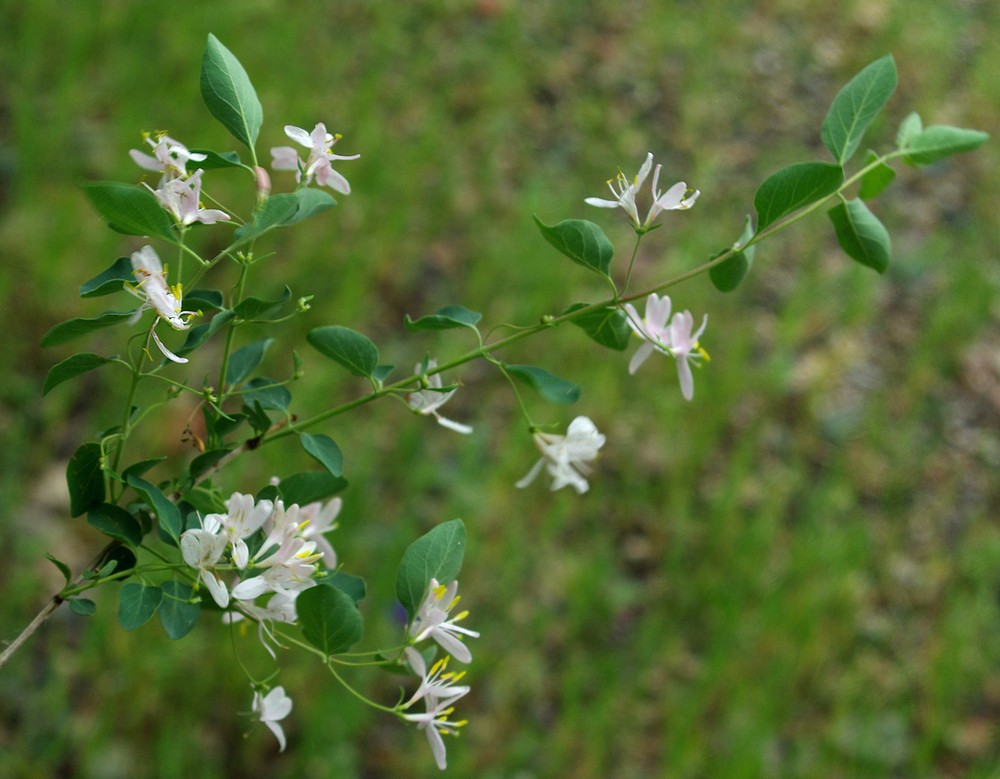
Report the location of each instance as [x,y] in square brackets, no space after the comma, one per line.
[674,339]
[153,290]
[169,157]
[437,685]
[244,518]
[434,722]
[272,708]
[676,198]
[566,457]
[319,519]
[317,165]
[431,621]
[182,198]
[429,399]
[202,548]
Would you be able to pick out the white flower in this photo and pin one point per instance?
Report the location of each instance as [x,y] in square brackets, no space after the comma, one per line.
[271,708]
[437,685]
[244,518]
[201,548]
[320,518]
[319,142]
[429,399]
[675,339]
[625,192]
[431,621]
[182,198]
[153,290]
[169,158]
[566,457]
[435,722]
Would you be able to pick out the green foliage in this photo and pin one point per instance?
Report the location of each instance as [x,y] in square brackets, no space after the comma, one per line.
[310,486]
[163,508]
[795,187]
[550,387]
[325,450]
[72,367]
[131,210]
[330,619]
[110,280]
[939,141]
[199,334]
[730,273]
[874,182]
[74,328]
[245,360]
[268,393]
[856,105]
[115,522]
[85,479]
[83,607]
[228,93]
[447,318]
[177,611]
[607,326]
[137,603]
[254,309]
[347,347]
[437,554]
[582,241]
[860,234]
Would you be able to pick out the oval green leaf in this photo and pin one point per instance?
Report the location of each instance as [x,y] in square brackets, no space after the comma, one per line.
[582,241]
[228,93]
[330,619]
[448,318]
[730,273]
[70,368]
[131,210]
[74,328]
[310,486]
[137,603]
[85,479]
[607,326]
[348,347]
[861,235]
[552,388]
[856,105]
[437,554]
[177,614]
[115,522]
[325,450]
[166,512]
[245,360]
[939,141]
[793,188]
[110,280]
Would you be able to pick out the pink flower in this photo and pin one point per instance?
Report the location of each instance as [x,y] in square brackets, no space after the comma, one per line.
[317,165]
[674,339]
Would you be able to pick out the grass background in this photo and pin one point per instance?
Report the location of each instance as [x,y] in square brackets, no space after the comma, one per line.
[796,575]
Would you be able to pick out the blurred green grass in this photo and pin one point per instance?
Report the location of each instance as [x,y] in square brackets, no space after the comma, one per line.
[795,575]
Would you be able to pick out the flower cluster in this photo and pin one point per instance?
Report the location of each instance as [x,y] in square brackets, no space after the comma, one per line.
[439,688]
[674,339]
[289,546]
[178,193]
[565,457]
[674,199]
[317,165]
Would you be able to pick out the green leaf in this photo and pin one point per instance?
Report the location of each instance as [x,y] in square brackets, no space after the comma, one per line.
[203,462]
[448,318]
[82,606]
[110,280]
[118,559]
[310,486]
[381,373]
[255,308]
[352,585]
[199,334]
[861,235]
[330,619]
[85,479]
[245,360]
[166,511]
[116,523]
[131,210]
[793,188]
[276,211]
[268,393]
[310,202]
[137,603]
[730,273]
[215,159]
[139,468]
[203,298]
[63,568]
[177,614]
[348,347]
[74,328]
[607,326]
[874,182]
[939,141]
[552,388]
[582,241]
[325,450]
[911,126]
[856,105]
[228,93]
[72,367]
[437,554]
